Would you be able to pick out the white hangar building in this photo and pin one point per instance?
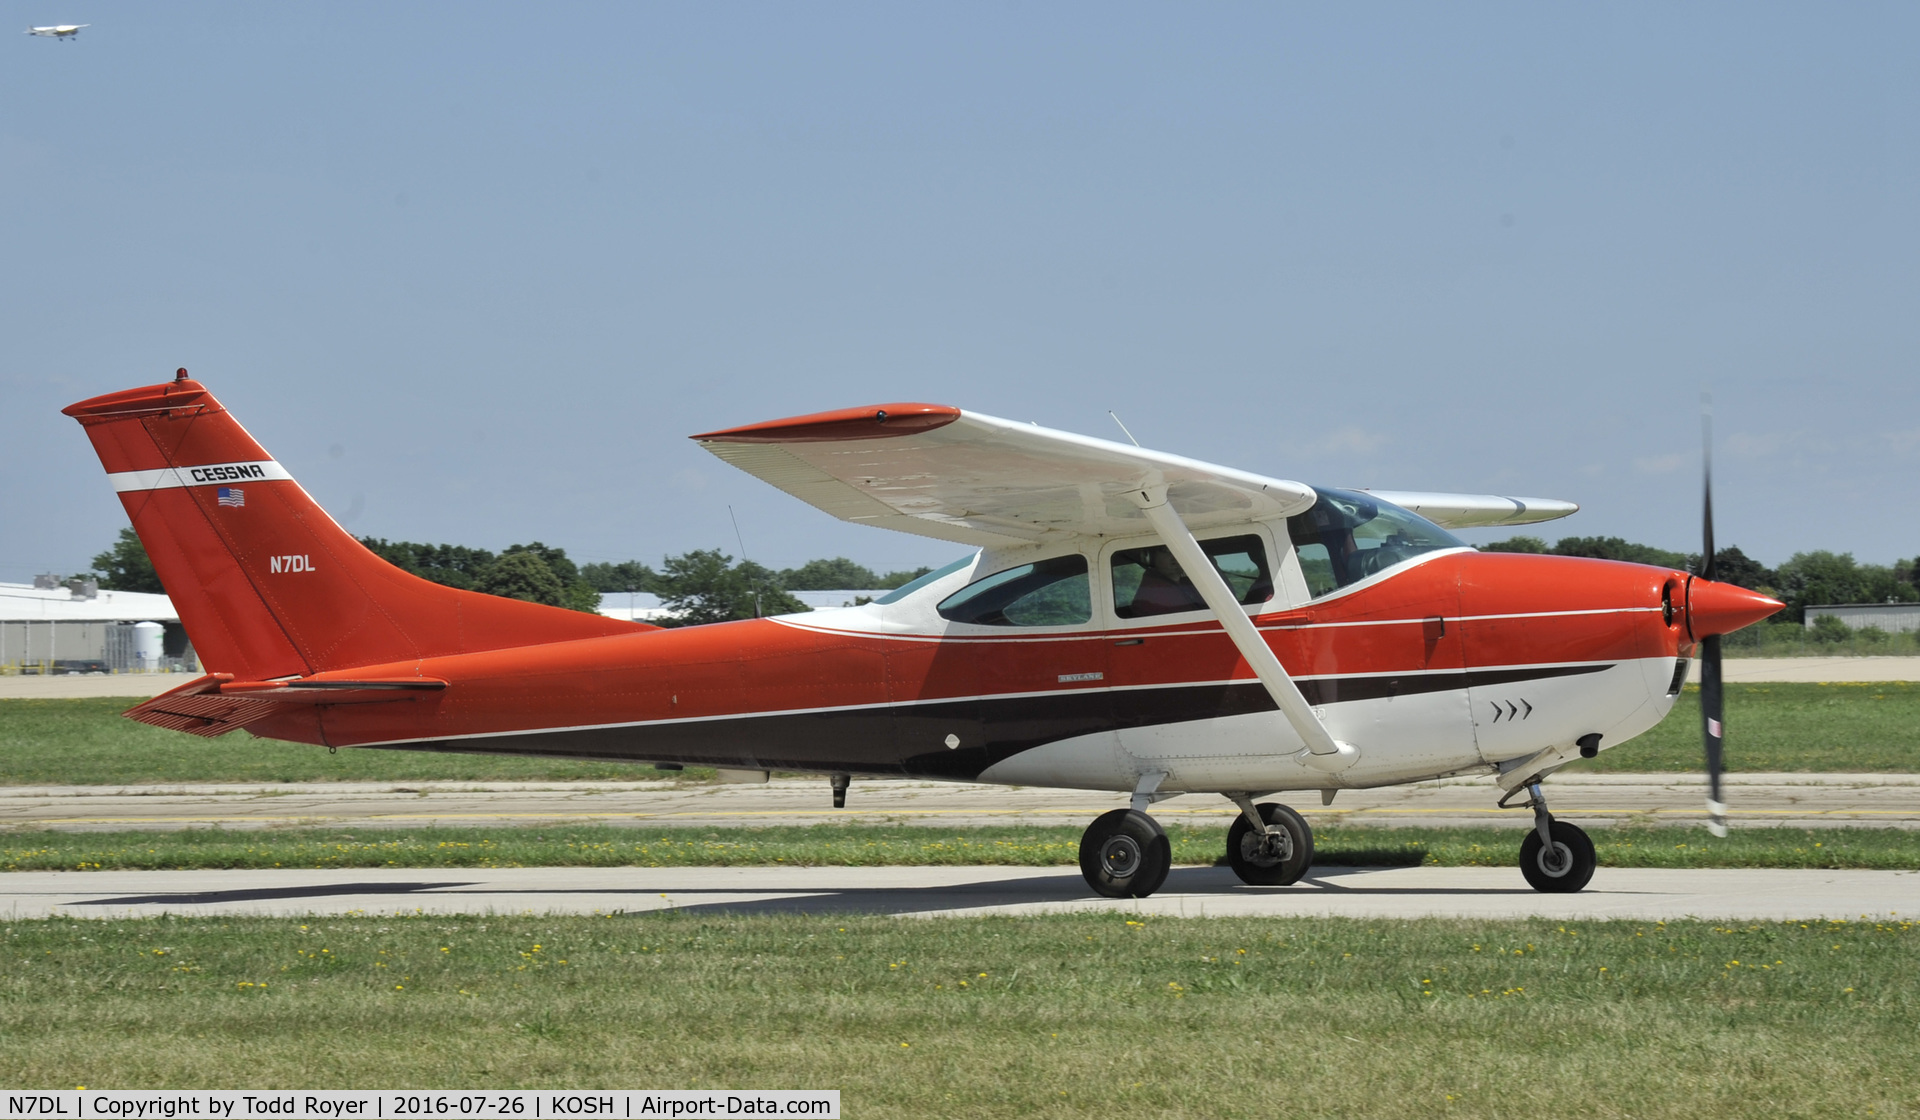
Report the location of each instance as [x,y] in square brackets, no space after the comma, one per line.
[1894,618]
[51,626]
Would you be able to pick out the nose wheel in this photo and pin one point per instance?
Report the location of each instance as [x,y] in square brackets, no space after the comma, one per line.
[1125,854]
[1556,857]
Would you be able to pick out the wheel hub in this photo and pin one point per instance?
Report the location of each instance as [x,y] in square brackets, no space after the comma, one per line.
[1266,850]
[1556,859]
[1121,856]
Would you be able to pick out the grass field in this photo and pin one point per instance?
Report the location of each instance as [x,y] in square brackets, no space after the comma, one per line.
[1779,637]
[1064,1016]
[1773,727]
[1777,728]
[86,742]
[902,845]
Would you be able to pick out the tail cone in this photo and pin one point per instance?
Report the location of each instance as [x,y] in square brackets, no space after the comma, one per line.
[1721,608]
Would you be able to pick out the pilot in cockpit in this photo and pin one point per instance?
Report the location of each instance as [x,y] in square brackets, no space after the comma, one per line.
[1164,586]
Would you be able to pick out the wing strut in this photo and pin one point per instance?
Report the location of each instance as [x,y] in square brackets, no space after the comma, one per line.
[1323,751]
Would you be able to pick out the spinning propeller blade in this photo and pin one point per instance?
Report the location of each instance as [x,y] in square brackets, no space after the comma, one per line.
[1712,703]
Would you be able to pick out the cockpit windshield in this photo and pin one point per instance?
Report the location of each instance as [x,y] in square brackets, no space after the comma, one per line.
[1349,536]
[936,576]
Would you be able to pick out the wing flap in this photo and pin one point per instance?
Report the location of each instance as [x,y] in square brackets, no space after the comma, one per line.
[846,499]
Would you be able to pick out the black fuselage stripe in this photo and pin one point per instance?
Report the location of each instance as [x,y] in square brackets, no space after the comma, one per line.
[911,739]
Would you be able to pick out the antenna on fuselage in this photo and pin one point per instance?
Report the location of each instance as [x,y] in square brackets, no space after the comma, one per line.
[741,541]
[1123,426]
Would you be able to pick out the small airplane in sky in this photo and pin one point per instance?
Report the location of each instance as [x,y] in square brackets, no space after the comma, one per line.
[1130,621]
[60,31]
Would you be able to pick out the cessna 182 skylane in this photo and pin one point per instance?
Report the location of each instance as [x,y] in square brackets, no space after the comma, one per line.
[1132,621]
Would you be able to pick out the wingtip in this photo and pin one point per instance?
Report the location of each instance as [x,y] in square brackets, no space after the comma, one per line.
[878,421]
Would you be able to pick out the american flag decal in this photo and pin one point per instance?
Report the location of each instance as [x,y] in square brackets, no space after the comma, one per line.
[233,496]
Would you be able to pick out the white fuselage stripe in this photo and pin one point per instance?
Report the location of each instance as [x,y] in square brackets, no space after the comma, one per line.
[207,474]
[1248,681]
[796,621]
[1456,618]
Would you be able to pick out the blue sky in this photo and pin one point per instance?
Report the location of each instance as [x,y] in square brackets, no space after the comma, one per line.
[473,272]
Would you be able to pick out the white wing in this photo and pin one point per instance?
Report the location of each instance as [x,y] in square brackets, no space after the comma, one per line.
[1477,511]
[937,471]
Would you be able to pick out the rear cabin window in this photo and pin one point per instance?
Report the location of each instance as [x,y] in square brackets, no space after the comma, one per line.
[1051,592]
[1347,537]
[1149,581]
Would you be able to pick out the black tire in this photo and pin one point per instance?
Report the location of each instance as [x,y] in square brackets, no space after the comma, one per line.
[1267,868]
[1566,875]
[1125,854]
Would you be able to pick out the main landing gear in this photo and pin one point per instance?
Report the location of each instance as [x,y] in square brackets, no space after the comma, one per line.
[1125,853]
[1556,857]
[1269,844]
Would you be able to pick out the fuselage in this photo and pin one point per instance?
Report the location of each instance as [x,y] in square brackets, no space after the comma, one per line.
[1453,661]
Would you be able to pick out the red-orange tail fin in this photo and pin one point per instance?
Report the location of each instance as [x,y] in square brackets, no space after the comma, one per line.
[266,583]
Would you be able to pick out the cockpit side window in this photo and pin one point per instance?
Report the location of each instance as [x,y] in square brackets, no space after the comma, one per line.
[1052,592]
[1347,537]
[1149,581]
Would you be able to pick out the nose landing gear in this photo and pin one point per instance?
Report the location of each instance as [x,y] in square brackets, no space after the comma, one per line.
[1556,857]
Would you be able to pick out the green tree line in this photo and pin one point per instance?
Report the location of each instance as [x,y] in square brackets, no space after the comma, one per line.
[1807,579]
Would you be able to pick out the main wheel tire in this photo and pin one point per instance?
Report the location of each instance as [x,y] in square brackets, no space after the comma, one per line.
[1570,866]
[1125,854]
[1263,864]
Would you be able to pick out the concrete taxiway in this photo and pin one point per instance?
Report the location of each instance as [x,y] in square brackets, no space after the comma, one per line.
[1808,800]
[1411,892]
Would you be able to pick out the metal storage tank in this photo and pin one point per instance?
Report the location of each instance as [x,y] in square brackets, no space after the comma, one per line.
[148,642]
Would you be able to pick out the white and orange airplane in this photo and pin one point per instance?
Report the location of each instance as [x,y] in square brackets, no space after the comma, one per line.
[1132,621]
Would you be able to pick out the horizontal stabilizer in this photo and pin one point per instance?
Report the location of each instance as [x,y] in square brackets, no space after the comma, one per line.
[198,708]
[216,704]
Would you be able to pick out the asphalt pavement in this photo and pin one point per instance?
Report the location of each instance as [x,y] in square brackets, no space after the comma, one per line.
[1408,892]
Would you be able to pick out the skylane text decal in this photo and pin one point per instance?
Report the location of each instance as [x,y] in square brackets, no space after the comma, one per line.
[204,474]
